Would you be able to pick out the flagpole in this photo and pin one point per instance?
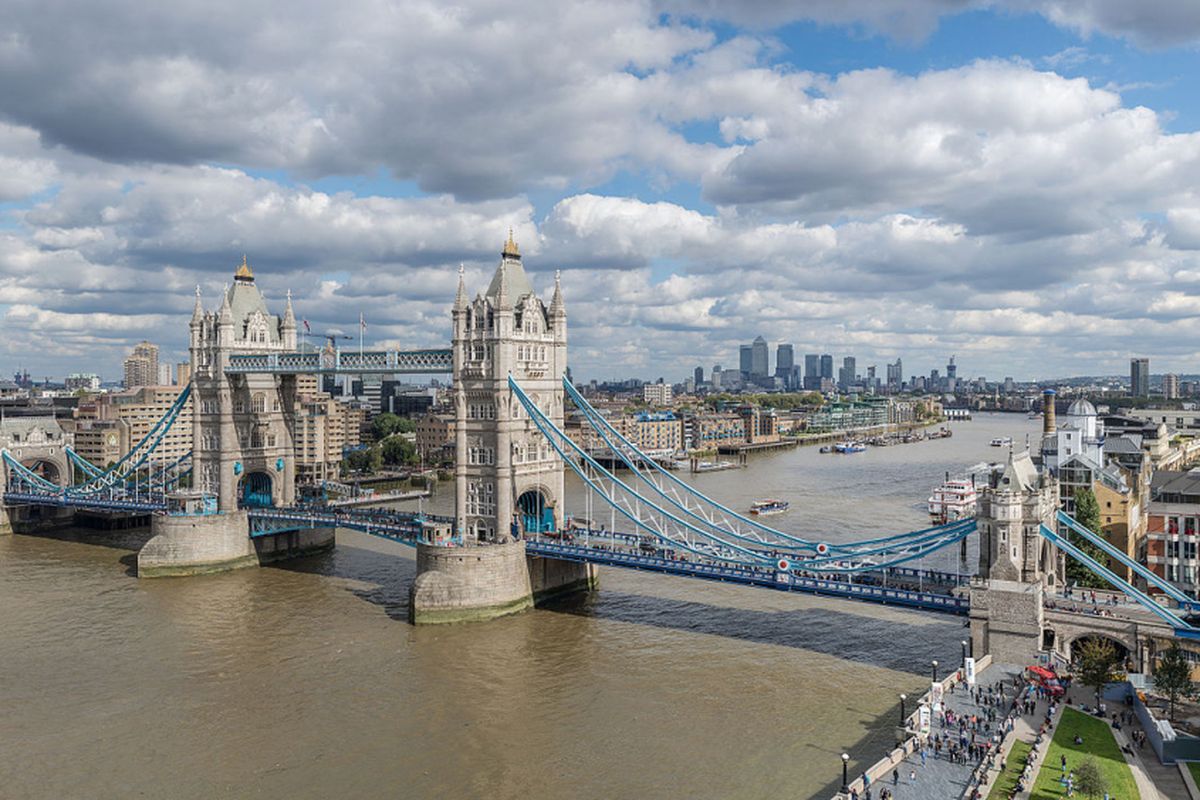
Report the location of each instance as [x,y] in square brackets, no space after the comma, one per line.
[362,326]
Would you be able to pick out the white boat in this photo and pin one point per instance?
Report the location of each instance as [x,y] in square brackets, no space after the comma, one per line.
[764,508]
[1002,441]
[850,447]
[954,499]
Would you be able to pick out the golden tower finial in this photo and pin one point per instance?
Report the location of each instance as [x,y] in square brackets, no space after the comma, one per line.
[510,247]
[244,272]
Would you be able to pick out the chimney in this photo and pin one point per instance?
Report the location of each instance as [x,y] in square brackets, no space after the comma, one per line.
[1048,422]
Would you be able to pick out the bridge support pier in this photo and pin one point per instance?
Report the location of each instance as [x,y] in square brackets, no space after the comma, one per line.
[482,582]
[6,528]
[293,544]
[197,545]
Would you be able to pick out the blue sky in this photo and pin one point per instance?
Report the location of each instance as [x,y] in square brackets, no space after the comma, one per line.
[1011,182]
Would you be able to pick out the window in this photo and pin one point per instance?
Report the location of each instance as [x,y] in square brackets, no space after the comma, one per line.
[259,403]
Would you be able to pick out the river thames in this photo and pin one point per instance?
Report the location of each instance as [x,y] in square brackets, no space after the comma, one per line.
[305,681]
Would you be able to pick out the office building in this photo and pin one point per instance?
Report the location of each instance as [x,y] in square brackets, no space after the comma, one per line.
[1170,386]
[716,376]
[785,359]
[141,367]
[812,372]
[698,376]
[951,370]
[81,380]
[895,376]
[1139,377]
[827,366]
[107,426]
[760,356]
[848,375]
[746,359]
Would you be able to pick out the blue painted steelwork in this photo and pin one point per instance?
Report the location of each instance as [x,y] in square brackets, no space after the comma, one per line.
[410,362]
[255,490]
[605,429]
[1095,566]
[88,503]
[918,544]
[399,526]
[749,576]
[1168,588]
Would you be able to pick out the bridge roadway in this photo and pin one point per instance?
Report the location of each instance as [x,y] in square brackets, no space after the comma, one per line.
[933,590]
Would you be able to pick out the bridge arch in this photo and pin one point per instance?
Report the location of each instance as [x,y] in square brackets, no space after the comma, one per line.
[1123,646]
[535,507]
[255,490]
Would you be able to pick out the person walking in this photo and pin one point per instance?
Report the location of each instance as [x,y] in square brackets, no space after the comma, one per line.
[895,777]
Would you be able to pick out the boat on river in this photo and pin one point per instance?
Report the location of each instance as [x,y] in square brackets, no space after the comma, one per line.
[765,508]
[850,447]
[954,499]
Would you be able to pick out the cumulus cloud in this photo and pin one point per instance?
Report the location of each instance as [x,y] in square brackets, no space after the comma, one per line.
[1007,213]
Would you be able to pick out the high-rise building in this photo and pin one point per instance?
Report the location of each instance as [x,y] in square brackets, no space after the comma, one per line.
[760,357]
[812,372]
[746,359]
[785,359]
[698,375]
[716,376]
[109,425]
[895,375]
[657,394]
[1170,386]
[827,366]
[848,374]
[951,370]
[141,367]
[183,373]
[164,375]
[1139,377]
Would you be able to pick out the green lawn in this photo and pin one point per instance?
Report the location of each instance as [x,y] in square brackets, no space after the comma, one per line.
[1194,768]
[1006,782]
[1098,743]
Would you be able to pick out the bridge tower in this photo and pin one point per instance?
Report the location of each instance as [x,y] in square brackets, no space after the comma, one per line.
[1016,565]
[38,443]
[508,479]
[241,431]
[242,449]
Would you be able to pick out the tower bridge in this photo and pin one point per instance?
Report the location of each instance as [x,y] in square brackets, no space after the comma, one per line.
[232,501]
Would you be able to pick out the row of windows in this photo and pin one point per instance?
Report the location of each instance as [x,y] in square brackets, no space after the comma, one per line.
[481,455]
[529,352]
[528,454]
[258,405]
[1176,548]
[481,498]
[481,411]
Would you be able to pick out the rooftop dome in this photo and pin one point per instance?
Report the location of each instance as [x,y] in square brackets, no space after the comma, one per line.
[1081,408]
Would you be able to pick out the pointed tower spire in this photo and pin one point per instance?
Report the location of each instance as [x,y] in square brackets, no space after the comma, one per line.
[460,298]
[501,281]
[226,312]
[198,309]
[510,247]
[289,315]
[557,307]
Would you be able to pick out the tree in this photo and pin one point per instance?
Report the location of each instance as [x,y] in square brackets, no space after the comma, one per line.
[368,459]
[1173,676]
[1089,780]
[1097,663]
[398,450]
[1087,514]
[385,424]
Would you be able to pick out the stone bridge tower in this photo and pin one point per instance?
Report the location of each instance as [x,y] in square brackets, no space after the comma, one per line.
[508,479]
[242,436]
[1016,565]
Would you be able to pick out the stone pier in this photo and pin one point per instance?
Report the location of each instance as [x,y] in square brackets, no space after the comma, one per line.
[202,544]
[482,582]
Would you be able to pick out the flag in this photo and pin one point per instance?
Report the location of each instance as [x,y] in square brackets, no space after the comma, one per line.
[362,322]
[306,328]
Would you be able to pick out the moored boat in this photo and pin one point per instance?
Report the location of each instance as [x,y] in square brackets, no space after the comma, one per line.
[954,499]
[1002,441]
[850,447]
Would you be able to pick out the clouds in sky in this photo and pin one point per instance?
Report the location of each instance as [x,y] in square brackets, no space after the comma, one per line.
[695,176]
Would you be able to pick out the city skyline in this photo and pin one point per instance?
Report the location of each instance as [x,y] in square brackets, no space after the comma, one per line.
[906,183]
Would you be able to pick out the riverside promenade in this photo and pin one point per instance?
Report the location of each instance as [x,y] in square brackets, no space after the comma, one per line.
[937,777]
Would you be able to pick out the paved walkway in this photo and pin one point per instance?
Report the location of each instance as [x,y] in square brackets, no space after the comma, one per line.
[939,778]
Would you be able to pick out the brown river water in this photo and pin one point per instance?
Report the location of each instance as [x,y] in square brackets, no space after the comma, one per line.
[305,681]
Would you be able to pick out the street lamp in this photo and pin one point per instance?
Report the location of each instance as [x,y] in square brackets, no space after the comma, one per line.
[935,670]
[964,646]
[903,697]
[845,772]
